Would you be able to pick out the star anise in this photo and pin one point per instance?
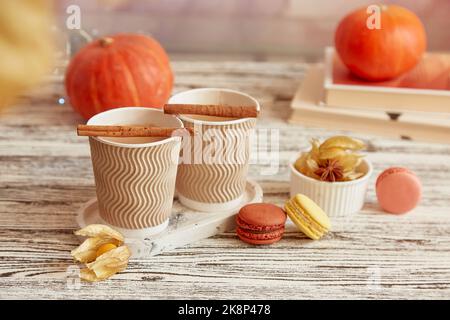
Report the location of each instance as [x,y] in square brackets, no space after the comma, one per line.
[330,171]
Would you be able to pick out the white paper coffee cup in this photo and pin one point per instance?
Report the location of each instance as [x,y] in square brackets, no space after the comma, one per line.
[205,183]
[135,177]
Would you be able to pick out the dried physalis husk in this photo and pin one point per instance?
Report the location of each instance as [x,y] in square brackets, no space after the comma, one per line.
[338,150]
[87,251]
[311,167]
[103,252]
[100,231]
[342,142]
[300,163]
[332,153]
[98,235]
[315,150]
[350,161]
[107,264]
[349,176]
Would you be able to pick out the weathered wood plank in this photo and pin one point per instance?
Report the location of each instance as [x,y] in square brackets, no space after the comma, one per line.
[46,175]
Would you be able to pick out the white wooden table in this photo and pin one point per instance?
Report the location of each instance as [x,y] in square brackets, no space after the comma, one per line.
[46,175]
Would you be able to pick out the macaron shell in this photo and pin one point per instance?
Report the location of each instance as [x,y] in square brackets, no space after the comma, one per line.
[313,210]
[390,171]
[308,232]
[250,235]
[398,191]
[300,219]
[258,242]
[261,215]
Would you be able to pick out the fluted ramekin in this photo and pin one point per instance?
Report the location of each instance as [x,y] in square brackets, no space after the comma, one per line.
[337,199]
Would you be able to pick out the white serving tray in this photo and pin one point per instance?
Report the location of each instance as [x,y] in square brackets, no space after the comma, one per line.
[185,226]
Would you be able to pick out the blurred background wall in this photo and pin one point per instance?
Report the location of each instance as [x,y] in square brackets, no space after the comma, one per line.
[276,27]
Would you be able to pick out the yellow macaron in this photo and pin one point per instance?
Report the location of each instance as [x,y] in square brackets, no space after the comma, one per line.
[308,216]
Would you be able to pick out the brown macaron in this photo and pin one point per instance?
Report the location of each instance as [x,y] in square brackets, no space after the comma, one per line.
[260,223]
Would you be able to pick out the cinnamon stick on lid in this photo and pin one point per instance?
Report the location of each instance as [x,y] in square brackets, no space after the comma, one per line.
[130,131]
[213,110]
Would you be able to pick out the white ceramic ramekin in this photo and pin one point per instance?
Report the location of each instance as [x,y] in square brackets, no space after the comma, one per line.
[337,199]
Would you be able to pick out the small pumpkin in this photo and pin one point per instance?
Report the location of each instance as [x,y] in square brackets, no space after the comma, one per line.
[383,53]
[117,71]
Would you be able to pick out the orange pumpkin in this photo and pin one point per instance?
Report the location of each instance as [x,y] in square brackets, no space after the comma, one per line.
[383,53]
[117,71]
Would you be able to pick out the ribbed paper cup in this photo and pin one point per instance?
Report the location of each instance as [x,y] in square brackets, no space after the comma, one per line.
[135,177]
[337,199]
[210,185]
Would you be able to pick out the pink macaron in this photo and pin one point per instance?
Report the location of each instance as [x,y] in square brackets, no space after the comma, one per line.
[398,190]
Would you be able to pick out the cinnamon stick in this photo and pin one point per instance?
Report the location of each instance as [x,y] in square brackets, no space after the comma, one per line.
[213,110]
[128,131]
